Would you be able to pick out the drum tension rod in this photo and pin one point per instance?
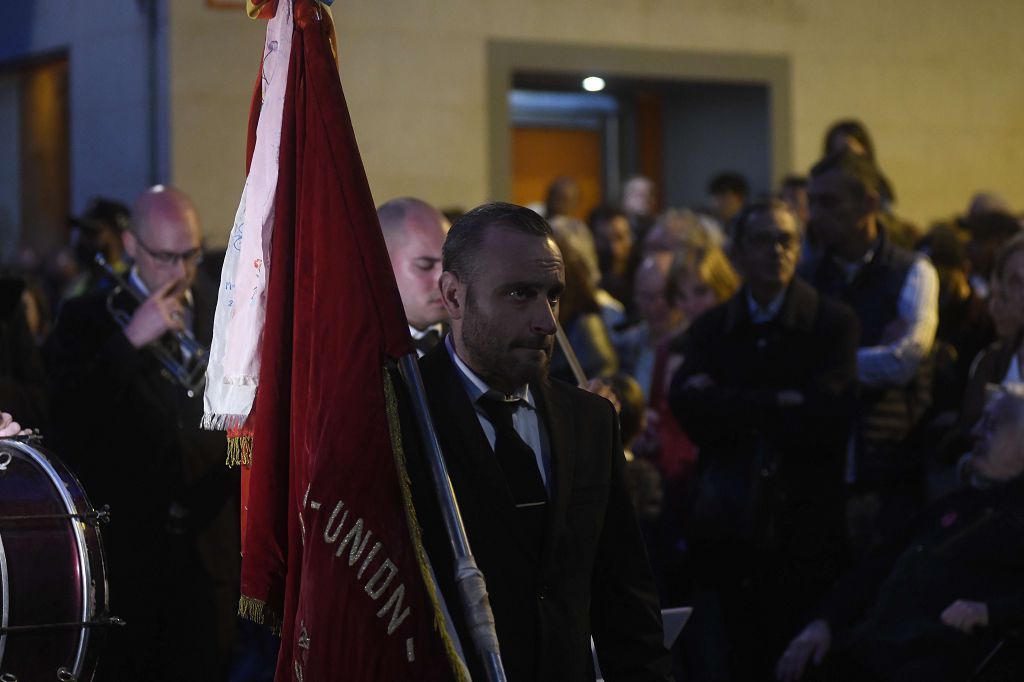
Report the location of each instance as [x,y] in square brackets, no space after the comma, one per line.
[101,622]
[94,517]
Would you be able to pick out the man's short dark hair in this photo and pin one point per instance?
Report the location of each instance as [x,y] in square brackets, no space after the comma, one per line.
[995,226]
[945,246]
[104,213]
[741,223]
[729,183]
[794,182]
[467,234]
[863,175]
[852,128]
[605,213]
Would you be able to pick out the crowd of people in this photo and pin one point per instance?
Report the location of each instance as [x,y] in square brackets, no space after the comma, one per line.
[812,369]
[819,402]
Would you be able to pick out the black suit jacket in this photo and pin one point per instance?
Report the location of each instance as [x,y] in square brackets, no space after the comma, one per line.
[592,575]
[133,436]
[771,477]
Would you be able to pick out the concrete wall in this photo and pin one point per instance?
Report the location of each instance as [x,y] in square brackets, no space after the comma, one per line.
[215,59]
[10,167]
[710,129]
[938,84]
[113,150]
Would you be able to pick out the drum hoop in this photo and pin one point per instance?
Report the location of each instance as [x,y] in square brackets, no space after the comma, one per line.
[83,564]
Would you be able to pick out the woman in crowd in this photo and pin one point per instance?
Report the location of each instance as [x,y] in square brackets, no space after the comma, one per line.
[579,313]
[1002,361]
[699,280]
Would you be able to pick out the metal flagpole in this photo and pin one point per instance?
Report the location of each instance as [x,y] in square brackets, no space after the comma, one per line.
[570,355]
[468,577]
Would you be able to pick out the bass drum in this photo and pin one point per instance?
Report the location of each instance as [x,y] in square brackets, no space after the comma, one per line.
[53,583]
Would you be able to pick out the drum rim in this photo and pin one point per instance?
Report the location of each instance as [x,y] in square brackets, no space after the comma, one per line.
[85,570]
[5,605]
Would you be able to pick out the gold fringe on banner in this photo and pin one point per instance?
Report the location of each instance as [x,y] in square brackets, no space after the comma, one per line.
[239,451]
[257,611]
[395,429]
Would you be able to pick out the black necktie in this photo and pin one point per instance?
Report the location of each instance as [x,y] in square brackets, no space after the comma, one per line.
[427,341]
[516,458]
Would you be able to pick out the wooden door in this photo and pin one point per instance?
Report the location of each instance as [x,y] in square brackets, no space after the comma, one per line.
[540,155]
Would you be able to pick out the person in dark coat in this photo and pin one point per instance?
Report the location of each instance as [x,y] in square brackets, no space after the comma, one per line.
[766,391]
[939,597]
[537,468]
[132,435]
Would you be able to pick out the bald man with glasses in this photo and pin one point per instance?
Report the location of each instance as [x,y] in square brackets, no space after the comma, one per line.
[131,433]
[165,245]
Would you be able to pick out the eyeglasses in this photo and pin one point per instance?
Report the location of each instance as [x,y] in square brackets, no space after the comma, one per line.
[768,240]
[170,258]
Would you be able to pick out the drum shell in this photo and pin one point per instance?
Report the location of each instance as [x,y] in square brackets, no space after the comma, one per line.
[52,568]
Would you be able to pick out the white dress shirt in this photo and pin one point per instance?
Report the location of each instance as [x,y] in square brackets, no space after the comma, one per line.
[895,363]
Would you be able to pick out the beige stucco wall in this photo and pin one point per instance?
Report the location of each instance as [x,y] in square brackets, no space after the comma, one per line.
[940,83]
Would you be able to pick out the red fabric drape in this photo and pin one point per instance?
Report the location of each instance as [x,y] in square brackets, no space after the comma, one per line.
[677,454]
[327,547]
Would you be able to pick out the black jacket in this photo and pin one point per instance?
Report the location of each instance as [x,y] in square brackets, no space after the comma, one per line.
[770,477]
[133,438]
[592,575]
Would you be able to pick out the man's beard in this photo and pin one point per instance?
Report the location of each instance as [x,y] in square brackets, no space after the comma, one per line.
[491,358]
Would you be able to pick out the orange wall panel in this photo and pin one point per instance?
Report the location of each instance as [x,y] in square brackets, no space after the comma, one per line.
[539,155]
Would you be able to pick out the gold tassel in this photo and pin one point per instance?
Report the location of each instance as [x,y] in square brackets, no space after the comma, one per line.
[258,612]
[239,451]
[395,429]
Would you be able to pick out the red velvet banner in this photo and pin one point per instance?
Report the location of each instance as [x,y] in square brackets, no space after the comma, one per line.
[328,550]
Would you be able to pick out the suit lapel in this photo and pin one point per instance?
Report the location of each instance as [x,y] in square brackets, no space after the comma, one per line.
[558,421]
[465,446]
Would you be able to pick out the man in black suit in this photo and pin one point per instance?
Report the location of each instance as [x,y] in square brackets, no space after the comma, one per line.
[132,435]
[536,465]
[766,391]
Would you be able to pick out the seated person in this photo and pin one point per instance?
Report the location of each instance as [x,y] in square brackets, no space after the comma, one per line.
[939,597]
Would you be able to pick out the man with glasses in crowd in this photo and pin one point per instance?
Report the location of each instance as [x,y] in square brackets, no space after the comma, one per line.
[766,391]
[172,542]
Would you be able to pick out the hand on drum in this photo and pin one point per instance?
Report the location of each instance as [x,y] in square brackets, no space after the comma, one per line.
[9,427]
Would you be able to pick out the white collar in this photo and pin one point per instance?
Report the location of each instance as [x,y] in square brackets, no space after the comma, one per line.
[420,333]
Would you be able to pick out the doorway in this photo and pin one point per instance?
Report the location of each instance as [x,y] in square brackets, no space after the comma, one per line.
[676,117]
[34,158]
